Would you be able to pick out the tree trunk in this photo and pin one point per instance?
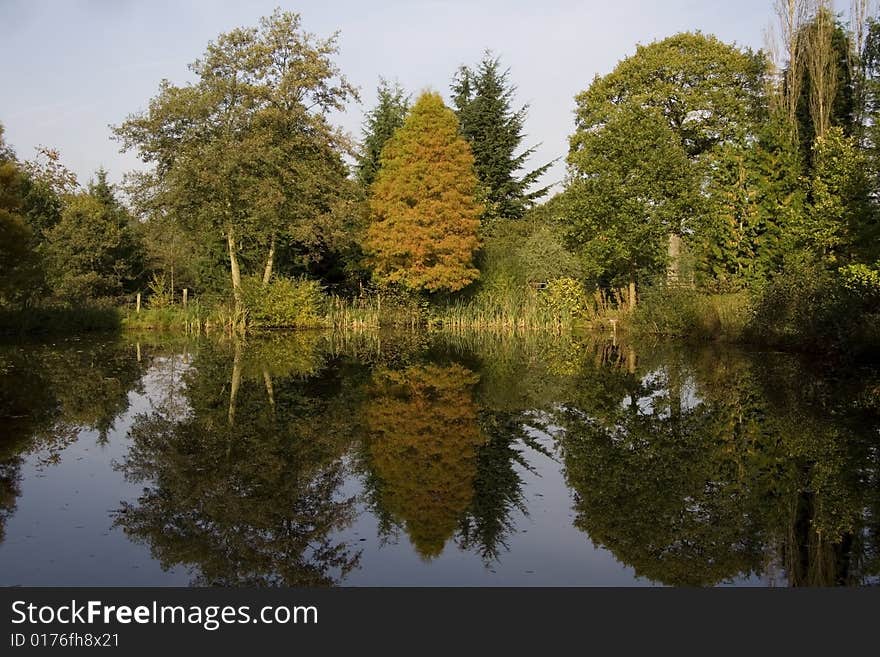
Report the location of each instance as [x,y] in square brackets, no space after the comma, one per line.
[233,266]
[632,295]
[267,274]
[236,382]
[270,391]
[673,273]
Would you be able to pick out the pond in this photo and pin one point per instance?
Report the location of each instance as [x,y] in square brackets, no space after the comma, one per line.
[312,459]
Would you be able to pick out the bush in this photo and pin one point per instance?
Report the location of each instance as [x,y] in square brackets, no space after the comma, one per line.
[861,281]
[688,313]
[283,303]
[810,307]
[566,298]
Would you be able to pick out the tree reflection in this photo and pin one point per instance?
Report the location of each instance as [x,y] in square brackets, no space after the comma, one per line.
[245,487]
[692,466]
[707,470]
[423,442]
[49,394]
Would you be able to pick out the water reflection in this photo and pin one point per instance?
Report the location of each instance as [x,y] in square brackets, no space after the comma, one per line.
[255,463]
[49,396]
[726,465]
[243,487]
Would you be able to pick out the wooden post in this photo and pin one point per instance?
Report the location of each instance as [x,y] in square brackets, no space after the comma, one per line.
[139,351]
[139,303]
[185,291]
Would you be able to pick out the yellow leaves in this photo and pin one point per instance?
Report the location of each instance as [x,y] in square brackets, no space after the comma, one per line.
[425,215]
[424,439]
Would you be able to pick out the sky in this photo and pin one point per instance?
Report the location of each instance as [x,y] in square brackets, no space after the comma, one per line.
[72,68]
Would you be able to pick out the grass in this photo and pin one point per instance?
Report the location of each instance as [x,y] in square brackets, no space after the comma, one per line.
[554,311]
[189,319]
[686,313]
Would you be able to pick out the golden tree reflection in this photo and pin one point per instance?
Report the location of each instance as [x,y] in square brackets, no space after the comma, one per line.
[423,442]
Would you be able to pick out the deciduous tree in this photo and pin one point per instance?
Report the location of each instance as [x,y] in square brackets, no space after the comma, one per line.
[246,151]
[425,216]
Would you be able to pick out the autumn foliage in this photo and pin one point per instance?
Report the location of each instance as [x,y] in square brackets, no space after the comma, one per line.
[424,438]
[425,216]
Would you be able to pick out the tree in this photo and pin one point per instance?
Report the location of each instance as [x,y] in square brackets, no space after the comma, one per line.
[424,440]
[243,483]
[483,100]
[19,264]
[425,217]
[246,151]
[827,97]
[707,93]
[379,126]
[92,252]
[839,223]
[791,16]
[871,97]
[755,198]
[630,186]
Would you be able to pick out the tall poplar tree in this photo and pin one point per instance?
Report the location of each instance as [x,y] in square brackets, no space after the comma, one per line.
[425,215]
[483,99]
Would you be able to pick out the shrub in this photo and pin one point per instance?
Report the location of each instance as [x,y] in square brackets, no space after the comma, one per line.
[797,308]
[680,312]
[159,295]
[861,281]
[812,308]
[283,303]
[566,298]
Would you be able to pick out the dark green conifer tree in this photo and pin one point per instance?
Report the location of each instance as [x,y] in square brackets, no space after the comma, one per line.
[483,99]
[380,123]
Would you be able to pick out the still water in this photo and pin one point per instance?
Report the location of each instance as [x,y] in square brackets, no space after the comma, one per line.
[312,459]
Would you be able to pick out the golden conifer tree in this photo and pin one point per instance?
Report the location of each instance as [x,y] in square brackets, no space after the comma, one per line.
[425,217]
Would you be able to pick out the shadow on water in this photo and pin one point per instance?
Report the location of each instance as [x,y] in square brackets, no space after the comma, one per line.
[254,463]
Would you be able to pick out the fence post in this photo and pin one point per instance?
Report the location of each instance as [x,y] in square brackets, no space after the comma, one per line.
[139,303]
[185,291]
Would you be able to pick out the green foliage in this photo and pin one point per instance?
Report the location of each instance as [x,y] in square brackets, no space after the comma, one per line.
[483,99]
[159,293]
[806,307]
[246,151]
[678,312]
[516,255]
[19,263]
[861,280]
[283,303]
[92,252]
[708,92]
[380,124]
[644,142]
[630,186]
[566,298]
[755,199]
[839,222]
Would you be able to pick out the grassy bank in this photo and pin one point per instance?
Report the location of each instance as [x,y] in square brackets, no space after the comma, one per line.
[808,314]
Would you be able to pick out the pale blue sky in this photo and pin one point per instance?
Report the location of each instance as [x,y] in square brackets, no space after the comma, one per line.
[71,68]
